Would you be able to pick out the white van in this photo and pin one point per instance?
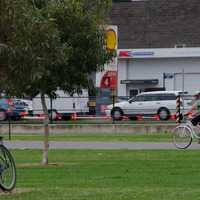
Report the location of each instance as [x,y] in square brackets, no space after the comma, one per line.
[64,105]
[161,103]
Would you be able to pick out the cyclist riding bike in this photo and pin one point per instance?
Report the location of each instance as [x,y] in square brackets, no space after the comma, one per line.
[196,106]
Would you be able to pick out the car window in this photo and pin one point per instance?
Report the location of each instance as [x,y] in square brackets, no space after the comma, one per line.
[25,104]
[151,98]
[138,98]
[154,97]
[165,97]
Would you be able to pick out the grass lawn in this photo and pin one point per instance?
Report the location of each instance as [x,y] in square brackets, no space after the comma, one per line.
[107,175]
[111,137]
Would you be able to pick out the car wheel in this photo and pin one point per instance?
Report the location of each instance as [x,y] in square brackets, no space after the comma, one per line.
[133,118]
[117,113]
[3,115]
[163,114]
[66,118]
[16,118]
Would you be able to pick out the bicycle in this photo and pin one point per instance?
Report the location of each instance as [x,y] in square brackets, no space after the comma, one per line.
[7,168]
[183,134]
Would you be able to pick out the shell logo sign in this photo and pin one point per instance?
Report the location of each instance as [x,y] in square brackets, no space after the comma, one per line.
[111,39]
[108,78]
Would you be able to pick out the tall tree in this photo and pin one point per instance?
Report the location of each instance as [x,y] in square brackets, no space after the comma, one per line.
[46,44]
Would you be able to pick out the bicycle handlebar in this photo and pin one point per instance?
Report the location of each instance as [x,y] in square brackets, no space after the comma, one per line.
[187,116]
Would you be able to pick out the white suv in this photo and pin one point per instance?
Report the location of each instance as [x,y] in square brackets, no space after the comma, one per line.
[162,103]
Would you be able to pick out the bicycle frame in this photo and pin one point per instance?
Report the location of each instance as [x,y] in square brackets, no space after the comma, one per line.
[183,134]
[189,125]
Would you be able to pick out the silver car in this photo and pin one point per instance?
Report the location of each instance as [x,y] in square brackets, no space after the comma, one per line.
[160,103]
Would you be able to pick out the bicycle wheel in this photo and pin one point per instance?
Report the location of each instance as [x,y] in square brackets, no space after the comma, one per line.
[182,137]
[7,169]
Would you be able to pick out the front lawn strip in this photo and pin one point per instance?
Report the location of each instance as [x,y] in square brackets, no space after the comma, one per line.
[101,137]
[107,175]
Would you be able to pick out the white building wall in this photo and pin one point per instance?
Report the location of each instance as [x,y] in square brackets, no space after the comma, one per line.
[122,75]
[136,68]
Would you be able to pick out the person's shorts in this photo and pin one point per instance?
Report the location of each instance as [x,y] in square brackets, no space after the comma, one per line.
[196,120]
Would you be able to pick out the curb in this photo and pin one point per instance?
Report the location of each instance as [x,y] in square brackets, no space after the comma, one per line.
[88,128]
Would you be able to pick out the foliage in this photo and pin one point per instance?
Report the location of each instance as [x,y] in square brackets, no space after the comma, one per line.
[45,45]
[30,47]
[49,44]
[78,24]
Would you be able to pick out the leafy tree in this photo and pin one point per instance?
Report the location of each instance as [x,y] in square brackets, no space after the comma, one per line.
[46,44]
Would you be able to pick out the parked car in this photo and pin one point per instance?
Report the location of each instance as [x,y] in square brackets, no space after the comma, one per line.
[162,103]
[13,107]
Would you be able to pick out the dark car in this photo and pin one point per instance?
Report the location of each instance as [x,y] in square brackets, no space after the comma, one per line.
[12,107]
[18,104]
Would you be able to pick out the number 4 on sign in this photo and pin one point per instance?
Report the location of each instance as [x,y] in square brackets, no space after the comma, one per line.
[107,81]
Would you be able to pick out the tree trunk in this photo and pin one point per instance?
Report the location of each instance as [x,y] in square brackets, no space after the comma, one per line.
[46,130]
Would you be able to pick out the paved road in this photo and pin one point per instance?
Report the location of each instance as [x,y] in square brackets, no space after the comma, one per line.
[93,145]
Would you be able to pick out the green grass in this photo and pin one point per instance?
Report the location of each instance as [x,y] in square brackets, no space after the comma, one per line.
[113,137]
[107,175]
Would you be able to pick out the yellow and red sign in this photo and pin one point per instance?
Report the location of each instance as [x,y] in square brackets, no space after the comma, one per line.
[108,78]
[111,39]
